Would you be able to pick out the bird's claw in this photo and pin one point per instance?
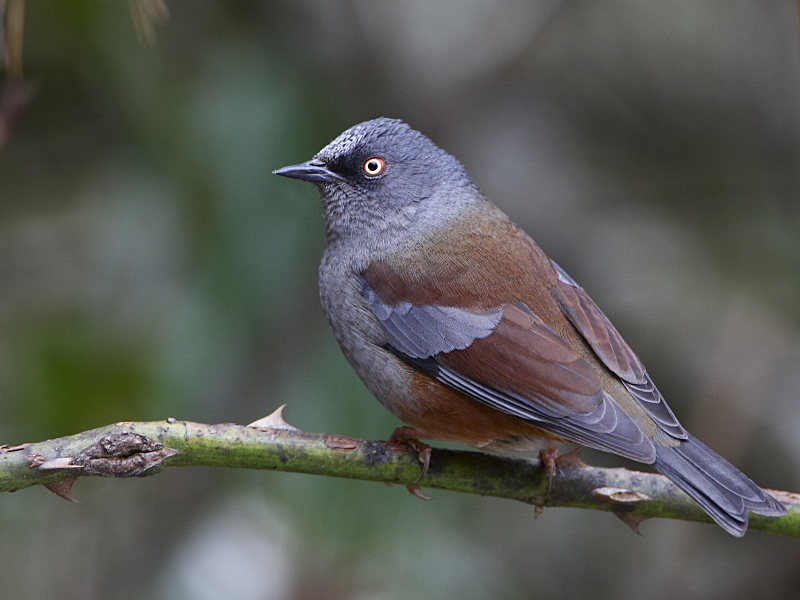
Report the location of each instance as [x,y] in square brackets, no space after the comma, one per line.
[406,438]
[415,491]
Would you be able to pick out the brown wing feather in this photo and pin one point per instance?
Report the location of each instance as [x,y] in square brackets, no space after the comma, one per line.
[595,327]
[524,357]
[614,352]
[490,267]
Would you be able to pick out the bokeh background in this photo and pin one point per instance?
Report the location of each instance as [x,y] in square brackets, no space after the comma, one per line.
[151,266]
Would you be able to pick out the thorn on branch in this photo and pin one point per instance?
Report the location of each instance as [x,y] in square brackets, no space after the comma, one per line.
[624,501]
[273,420]
[62,489]
[630,520]
[571,459]
[55,464]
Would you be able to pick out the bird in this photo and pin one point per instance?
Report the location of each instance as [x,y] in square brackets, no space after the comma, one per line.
[465,330]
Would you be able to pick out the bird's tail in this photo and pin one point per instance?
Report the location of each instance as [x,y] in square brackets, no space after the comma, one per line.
[724,492]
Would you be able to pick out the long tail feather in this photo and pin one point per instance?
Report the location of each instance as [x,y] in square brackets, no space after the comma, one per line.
[723,491]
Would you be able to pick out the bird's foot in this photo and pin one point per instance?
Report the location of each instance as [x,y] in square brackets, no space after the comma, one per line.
[552,462]
[549,457]
[407,438]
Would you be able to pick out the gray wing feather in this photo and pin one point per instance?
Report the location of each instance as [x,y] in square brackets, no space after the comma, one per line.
[424,331]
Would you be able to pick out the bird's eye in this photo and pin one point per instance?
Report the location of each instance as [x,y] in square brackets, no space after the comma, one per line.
[374,166]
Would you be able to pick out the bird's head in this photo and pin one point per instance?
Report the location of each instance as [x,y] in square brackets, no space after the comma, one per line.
[381,176]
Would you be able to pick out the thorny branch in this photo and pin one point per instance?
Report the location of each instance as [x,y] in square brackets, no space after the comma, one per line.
[146,448]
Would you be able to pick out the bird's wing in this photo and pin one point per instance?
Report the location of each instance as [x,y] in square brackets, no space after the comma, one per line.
[510,360]
[612,350]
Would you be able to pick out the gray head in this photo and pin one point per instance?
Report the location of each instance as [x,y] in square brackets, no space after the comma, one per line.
[377,176]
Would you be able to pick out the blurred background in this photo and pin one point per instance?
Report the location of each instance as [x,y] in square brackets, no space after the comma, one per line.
[151,266]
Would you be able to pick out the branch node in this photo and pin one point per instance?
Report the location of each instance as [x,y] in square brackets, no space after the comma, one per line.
[123,455]
[340,442]
[35,459]
[620,496]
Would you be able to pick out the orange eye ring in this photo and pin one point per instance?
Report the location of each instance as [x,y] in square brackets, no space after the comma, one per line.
[373,166]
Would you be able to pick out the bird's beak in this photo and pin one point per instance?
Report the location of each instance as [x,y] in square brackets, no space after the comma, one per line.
[314,170]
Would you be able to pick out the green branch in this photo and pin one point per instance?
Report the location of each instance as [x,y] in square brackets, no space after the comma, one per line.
[143,449]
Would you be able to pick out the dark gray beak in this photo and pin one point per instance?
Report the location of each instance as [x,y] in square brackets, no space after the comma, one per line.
[314,171]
